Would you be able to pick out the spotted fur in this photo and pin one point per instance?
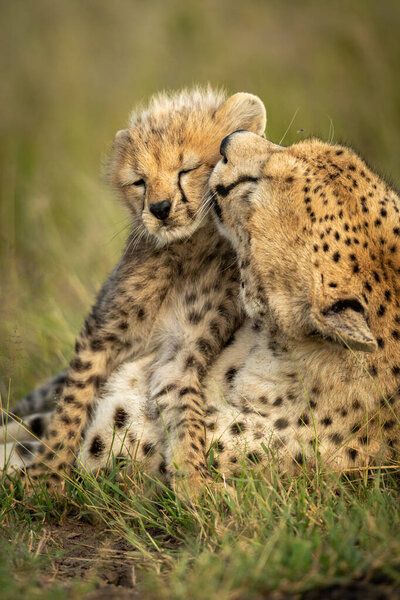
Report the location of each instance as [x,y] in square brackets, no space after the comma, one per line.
[313,374]
[174,291]
[317,235]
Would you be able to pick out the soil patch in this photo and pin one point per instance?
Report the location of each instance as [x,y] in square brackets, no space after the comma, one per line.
[89,553]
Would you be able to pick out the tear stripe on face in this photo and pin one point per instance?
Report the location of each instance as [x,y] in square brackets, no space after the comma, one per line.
[223,190]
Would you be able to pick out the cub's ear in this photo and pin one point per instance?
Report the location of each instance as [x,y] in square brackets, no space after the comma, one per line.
[344,322]
[242,111]
[122,136]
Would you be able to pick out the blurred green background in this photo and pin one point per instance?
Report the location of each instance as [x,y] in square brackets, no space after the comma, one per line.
[71,72]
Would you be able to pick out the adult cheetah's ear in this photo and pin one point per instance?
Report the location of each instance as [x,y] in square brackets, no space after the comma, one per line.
[344,321]
[242,111]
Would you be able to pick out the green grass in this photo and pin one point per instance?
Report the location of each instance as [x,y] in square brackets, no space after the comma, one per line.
[266,534]
[73,71]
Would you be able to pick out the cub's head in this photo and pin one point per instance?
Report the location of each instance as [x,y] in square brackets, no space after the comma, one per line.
[161,164]
[318,240]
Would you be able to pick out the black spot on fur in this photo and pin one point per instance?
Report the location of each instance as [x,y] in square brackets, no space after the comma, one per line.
[95,380]
[204,346]
[299,458]
[195,317]
[25,449]
[79,365]
[352,453]
[120,417]
[376,276]
[148,449]
[230,374]
[336,438]
[254,457]
[165,390]
[368,286]
[238,428]
[188,390]
[303,419]
[97,446]
[381,310]
[36,426]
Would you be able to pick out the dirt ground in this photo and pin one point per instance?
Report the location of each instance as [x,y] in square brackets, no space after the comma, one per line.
[88,553]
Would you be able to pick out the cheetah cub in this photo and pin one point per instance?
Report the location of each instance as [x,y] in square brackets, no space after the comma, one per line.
[174,291]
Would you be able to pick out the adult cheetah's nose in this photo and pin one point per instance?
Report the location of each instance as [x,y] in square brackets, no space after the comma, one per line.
[160,209]
[224,144]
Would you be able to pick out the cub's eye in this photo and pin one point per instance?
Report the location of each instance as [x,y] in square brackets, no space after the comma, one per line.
[188,171]
[139,183]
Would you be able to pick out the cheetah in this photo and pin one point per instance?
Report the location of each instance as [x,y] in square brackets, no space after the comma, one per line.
[174,292]
[312,375]
[317,235]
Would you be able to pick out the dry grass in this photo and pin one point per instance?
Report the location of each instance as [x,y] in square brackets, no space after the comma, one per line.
[73,70]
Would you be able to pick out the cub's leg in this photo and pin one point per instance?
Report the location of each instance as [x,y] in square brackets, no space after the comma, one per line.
[121,426]
[16,455]
[203,322]
[19,439]
[119,326]
[31,427]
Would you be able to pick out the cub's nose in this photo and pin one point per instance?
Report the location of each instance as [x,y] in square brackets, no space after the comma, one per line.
[160,209]
[225,142]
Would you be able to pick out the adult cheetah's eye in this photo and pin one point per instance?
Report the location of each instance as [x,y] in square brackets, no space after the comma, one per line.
[139,183]
[342,305]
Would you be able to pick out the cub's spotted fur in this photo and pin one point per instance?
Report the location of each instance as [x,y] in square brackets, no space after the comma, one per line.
[314,371]
[174,291]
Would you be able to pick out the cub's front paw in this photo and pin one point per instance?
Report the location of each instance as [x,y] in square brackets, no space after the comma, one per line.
[38,477]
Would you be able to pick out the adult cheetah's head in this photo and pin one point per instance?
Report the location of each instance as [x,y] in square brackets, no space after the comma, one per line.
[162,163]
[318,240]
